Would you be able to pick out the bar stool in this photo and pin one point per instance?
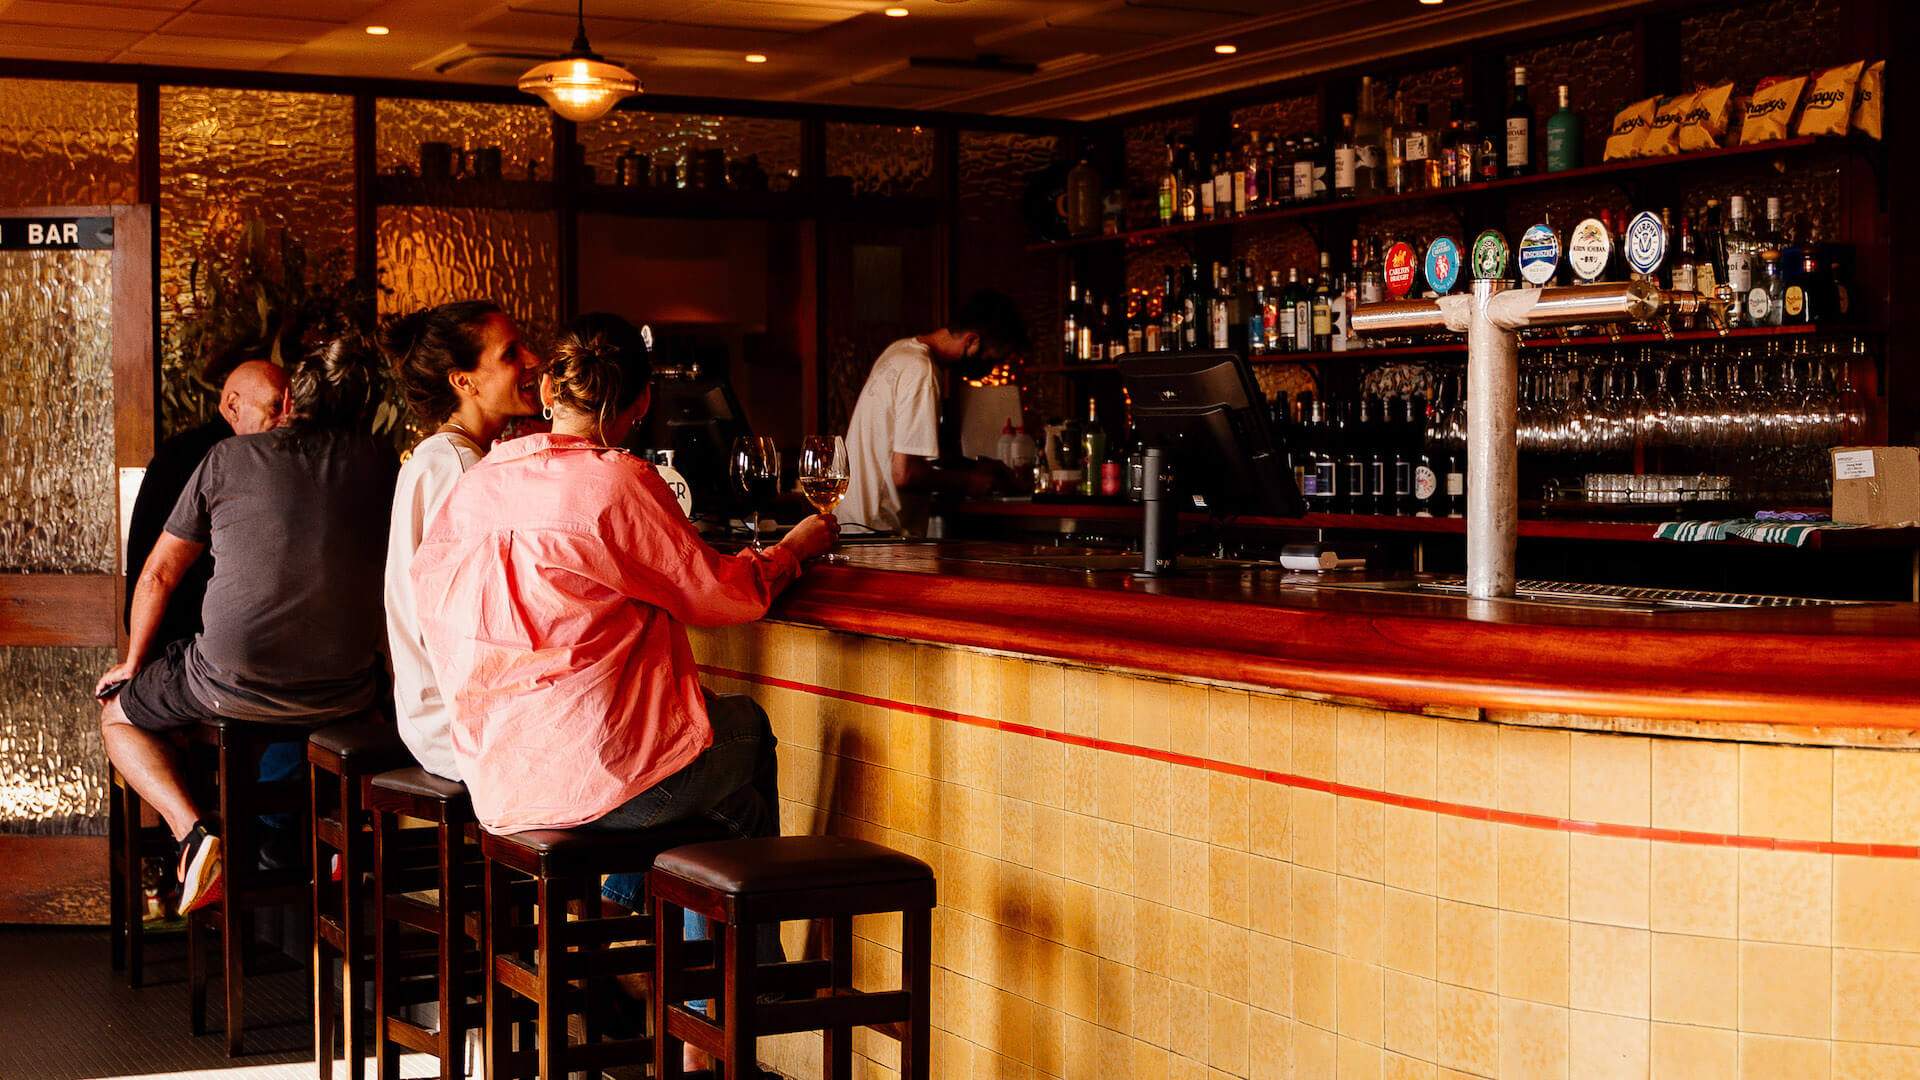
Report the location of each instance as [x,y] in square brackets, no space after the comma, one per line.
[129,845]
[240,797]
[535,955]
[450,866]
[340,759]
[741,885]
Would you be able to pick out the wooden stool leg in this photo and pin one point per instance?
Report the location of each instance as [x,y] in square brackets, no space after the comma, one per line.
[453,929]
[322,963]
[498,1038]
[916,978]
[134,898]
[116,874]
[549,980]
[232,940]
[837,1040]
[738,994]
[353,1030]
[385,942]
[588,890]
[669,941]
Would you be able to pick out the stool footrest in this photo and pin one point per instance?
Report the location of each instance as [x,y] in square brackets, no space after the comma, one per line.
[841,1008]
[791,977]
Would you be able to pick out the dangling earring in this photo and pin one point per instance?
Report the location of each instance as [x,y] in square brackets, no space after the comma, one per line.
[546,413]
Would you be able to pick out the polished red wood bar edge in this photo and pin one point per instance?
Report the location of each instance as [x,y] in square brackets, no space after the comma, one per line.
[1849,667]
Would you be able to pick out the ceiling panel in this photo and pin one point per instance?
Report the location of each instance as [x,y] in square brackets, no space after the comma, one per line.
[61,37]
[249,27]
[326,10]
[168,48]
[112,16]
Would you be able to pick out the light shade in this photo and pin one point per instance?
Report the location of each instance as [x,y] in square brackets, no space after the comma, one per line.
[580,88]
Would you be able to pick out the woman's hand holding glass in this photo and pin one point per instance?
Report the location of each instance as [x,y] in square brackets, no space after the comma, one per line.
[813,537]
[824,475]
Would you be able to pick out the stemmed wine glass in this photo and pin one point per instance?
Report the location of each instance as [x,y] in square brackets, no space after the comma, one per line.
[824,475]
[755,465]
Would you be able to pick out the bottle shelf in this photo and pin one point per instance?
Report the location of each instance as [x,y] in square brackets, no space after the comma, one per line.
[678,203]
[1616,169]
[1587,341]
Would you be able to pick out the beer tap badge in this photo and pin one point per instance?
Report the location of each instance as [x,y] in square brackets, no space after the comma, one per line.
[1589,249]
[1400,267]
[1539,254]
[1443,264]
[1489,256]
[1646,243]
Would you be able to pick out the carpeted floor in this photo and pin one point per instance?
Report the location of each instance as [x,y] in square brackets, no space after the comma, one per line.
[67,1015]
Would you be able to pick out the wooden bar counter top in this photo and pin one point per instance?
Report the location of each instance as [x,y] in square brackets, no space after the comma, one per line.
[1225,826]
[1853,666]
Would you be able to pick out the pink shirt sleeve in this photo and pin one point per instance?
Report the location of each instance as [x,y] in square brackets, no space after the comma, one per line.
[657,558]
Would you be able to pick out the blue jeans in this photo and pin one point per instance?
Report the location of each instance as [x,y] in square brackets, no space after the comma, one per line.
[734,782]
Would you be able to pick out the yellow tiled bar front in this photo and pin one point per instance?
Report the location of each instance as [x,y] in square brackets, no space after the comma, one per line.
[1144,878]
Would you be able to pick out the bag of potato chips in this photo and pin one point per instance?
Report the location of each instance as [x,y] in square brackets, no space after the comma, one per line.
[1829,104]
[1630,130]
[1663,136]
[1705,125]
[1770,111]
[1866,101]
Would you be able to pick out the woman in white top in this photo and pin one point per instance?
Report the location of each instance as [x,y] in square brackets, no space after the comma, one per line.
[466,372]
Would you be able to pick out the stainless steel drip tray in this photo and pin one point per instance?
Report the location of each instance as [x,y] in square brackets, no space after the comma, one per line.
[1637,597]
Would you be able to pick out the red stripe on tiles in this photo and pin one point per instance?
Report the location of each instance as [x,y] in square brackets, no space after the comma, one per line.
[1308,783]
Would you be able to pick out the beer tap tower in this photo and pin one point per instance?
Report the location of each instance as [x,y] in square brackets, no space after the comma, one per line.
[1492,315]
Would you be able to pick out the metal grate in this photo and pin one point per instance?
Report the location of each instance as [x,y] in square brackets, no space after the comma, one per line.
[1642,595]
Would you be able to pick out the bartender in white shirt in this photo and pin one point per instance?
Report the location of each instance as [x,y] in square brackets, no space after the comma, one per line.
[894,436]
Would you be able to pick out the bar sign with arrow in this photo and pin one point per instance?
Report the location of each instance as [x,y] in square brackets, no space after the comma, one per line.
[56,234]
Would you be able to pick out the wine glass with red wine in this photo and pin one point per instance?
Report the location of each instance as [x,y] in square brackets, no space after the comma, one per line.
[755,465]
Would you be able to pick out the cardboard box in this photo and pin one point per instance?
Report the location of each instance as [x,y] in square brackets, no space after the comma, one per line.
[1876,485]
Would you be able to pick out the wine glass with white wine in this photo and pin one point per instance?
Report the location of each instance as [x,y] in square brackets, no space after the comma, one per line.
[824,474]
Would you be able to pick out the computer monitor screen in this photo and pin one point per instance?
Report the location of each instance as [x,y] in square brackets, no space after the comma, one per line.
[1207,410]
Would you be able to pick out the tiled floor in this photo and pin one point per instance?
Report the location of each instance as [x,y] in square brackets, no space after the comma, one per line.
[65,1015]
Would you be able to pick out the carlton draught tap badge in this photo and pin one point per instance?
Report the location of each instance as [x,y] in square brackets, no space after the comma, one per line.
[1400,267]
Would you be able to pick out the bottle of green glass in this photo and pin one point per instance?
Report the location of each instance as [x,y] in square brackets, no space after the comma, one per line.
[1563,137]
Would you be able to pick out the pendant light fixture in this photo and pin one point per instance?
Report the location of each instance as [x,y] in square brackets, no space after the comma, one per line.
[580,86]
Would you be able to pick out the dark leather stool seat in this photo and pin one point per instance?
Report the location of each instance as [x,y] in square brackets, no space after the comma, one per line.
[539,961]
[341,757]
[425,950]
[743,885]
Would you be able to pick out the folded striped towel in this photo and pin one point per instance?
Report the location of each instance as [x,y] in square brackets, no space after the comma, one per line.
[1791,533]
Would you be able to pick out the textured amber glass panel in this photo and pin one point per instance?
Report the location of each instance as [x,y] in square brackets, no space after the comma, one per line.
[882,160]
[57,493]
[1748,42]
[524,133]
[430,255]
[66,143]
[1598,74]
[994,170]
[1279,119]
[667,138]
[228,157]
[53,773]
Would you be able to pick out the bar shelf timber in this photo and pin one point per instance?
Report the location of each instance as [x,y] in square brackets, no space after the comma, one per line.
[1625,171]
[478,194]
[1452,350]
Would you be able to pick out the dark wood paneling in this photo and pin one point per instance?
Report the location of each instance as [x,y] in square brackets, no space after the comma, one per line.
[59,609]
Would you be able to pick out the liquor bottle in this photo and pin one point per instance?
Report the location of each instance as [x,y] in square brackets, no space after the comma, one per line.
[1193,308]
[1240,179]
[1189,184]
[1257,321]
[1774,235]
[1436,169]
[1426,482]
[1681,276]
[1170,313]
[1563,136]
[1209,205]
[1350,495]
[1456,458]
[1070,323]
[1169,202]
[1518,160]
[1320,484]
[1287,339]
[1255,169]
[1393,145]
[1270,314]
[1219,308]
[1373,287]
[1303,317]
[1309,175]
[1467,164]
[1416,151]
[1708,270]
[1223,184]
[1093,451]
[1448,156]
[1366,142]
[1276,181]
[1380,459]
[1116,341]
[1766,301]
[1806,300]
[1739,260]
[1085,332]
[1345,160]
[1322,309]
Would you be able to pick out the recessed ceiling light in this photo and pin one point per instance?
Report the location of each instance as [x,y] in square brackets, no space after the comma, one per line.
[1433,3]
[378,31]
[1226,49]
[756,58]
[897,13]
